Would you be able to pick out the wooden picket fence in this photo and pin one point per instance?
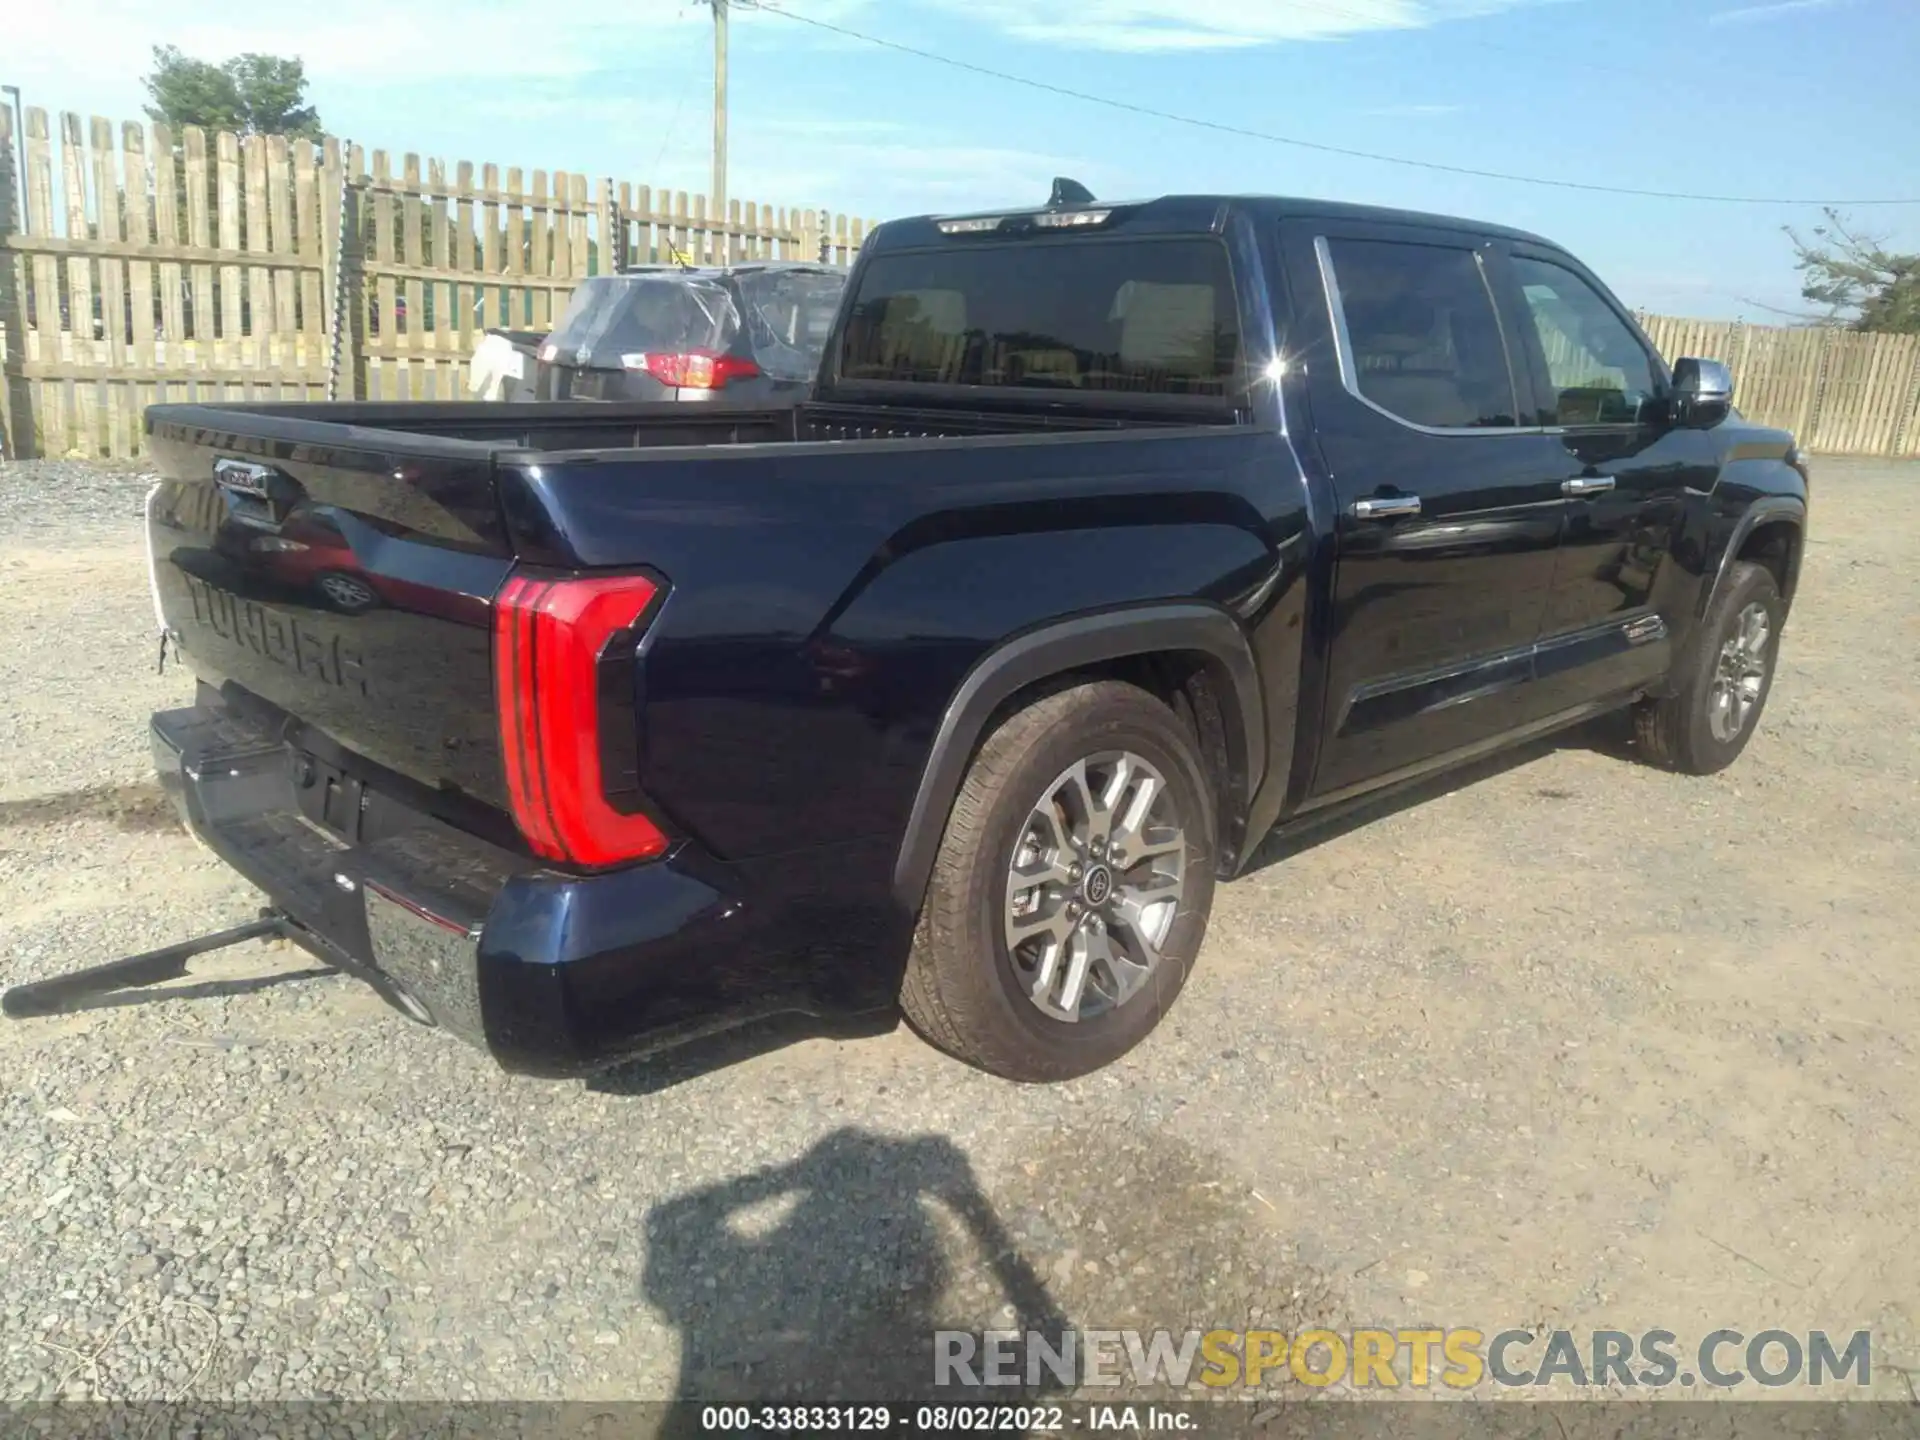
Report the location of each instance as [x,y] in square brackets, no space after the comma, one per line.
[157,267]
[1841,392]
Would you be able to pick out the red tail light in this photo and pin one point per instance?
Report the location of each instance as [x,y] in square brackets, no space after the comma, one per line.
[554,640]
[693,370]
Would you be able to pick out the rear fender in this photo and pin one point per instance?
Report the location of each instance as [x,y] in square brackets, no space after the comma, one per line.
[1060,649]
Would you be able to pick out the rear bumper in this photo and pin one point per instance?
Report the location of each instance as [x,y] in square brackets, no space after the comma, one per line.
[555,974]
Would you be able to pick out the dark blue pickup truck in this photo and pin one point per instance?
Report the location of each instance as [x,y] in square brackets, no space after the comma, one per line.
[1113,537]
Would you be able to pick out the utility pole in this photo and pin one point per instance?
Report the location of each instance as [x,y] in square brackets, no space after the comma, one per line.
[719,196]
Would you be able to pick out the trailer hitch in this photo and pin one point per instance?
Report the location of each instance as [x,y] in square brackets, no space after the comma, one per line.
[58,995]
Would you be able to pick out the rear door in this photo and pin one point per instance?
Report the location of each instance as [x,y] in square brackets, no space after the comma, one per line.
[1449,497]
[1603,391]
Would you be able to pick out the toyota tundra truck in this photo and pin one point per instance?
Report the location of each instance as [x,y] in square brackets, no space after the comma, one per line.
[1111,539]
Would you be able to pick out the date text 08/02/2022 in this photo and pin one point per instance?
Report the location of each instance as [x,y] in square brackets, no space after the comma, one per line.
[943,1419]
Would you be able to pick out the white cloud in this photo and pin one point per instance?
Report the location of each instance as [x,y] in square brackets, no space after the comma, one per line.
[1744,13]
[1165,25]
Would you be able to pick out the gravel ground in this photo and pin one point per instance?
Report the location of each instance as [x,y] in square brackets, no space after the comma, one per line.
[1576,1044]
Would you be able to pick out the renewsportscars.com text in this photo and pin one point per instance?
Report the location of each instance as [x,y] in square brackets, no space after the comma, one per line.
[1382,1359]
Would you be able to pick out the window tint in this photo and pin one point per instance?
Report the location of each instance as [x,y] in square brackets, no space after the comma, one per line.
[1146,316]
[1425,339]
[789,313]
[1598,370]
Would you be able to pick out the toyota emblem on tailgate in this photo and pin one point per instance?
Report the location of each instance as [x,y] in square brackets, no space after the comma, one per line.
[243,476]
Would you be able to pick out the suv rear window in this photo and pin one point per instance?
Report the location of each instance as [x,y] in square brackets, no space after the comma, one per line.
[612,315]
[1150,317]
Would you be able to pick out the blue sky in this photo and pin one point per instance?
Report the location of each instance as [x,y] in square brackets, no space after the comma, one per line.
[1789,98]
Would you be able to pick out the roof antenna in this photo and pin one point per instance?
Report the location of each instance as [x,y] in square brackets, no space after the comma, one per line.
[1068,192]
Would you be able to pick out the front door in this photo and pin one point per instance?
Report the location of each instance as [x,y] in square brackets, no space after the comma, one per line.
[1450,502]
[1626,471]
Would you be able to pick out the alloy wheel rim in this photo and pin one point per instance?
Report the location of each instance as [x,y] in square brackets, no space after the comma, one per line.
[1094,884]
[344,591]
[1740,673]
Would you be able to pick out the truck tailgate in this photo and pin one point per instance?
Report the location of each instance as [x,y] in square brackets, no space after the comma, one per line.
[346,585]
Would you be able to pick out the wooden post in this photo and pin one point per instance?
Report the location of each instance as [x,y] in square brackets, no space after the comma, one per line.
[285,340]
[329,236]
[1906,430]
[385,328]
[51,408]
[562,228]
[203,321]
[446,299]
[608,259]
[167,232]
[540,253]
[416,321]
[467,298]
[253,152]
[133,158]
[85,432]
[1815,392]
[577,223]
[17,438]
[519,315]
[115,396]
[490,237]
[309,210]
[353,269]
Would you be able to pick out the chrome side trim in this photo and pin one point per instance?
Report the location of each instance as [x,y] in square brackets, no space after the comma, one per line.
[1350,371]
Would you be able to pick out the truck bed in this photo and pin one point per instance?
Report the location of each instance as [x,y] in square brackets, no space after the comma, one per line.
[576,426]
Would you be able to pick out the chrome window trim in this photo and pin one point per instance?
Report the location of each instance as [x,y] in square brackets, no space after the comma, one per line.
[1350,371]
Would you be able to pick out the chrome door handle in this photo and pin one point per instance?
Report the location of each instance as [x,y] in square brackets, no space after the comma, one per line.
[1586,485]
[1386,507]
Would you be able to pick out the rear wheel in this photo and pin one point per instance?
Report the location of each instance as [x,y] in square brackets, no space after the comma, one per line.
[1072,887]
[1704,725]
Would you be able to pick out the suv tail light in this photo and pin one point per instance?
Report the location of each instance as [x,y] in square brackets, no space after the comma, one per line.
[563,652]
[693,369]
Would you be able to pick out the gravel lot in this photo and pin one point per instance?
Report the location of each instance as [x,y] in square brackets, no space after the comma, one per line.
[1577,1044]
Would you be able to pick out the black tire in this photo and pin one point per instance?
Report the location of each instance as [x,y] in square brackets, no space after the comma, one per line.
[1678,732]
[961,989]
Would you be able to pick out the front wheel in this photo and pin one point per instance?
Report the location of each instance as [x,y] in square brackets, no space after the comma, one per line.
[1704,725]
[1072,888]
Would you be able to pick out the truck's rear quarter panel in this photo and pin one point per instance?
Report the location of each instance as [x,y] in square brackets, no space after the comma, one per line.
[828,600]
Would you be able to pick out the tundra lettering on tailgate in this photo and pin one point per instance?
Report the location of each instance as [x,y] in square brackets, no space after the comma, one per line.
[277,637]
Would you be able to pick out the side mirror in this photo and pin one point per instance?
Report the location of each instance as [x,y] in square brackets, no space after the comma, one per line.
[1702,392]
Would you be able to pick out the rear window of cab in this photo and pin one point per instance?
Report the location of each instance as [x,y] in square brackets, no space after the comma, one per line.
[1145,317]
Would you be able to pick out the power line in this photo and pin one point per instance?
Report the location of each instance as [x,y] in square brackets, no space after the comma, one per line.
[1220,127]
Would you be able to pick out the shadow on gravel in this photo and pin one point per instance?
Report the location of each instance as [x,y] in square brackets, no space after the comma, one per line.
[136,808]
[827,1277]
[201,990]
[1609,735]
